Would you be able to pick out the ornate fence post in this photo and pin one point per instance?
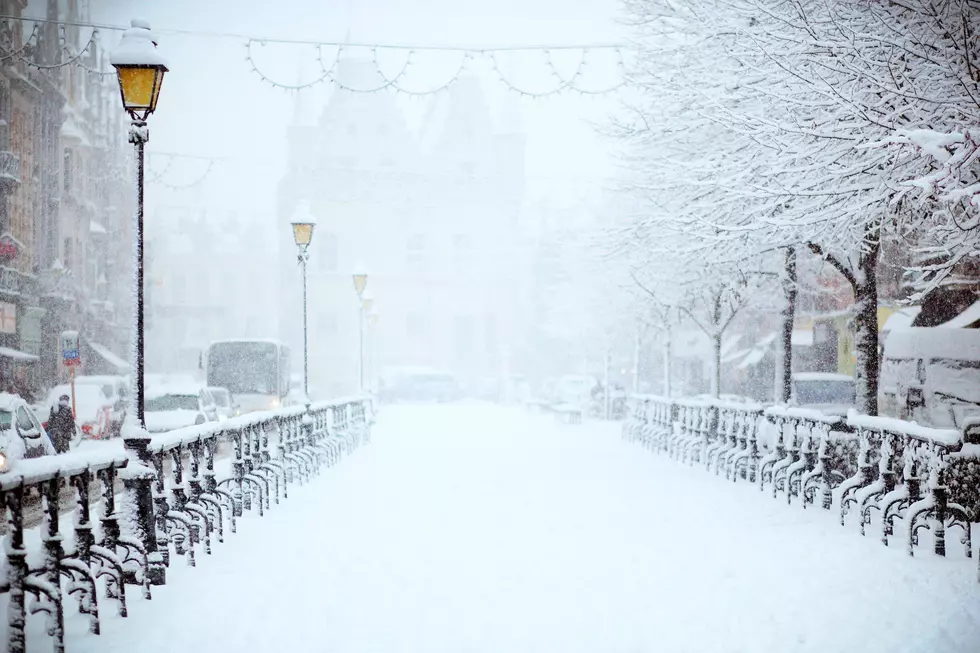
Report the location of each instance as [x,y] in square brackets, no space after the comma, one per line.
[16,571]
[137,478]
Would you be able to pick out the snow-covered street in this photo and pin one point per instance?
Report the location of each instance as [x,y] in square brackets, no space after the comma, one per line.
[484,529]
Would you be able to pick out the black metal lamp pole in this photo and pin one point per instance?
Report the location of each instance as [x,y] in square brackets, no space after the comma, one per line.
[140,68]
[303,256]
[360,366]
[139,135]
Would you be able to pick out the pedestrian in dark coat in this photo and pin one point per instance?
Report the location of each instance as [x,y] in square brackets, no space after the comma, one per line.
[61,425]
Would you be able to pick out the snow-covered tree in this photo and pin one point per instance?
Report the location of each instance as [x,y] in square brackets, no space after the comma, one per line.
[760,127]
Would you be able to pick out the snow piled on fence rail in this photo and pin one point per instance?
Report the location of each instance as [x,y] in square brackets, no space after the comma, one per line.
[483,530]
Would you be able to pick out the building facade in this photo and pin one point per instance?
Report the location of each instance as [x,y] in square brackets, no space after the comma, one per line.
[210,276]
[431,214]
[66,196]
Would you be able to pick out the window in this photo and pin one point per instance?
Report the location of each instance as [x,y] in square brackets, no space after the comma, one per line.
[329,254]
[24,423]
[4,113]
[167,403]
[68,171]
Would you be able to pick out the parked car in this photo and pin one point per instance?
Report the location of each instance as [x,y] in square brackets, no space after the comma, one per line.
[116,390]
[421,385]
[833,394]
[21,433]
[225,404]
[931,375]
[575,390]
[487,389]
[169,407]
[93,410]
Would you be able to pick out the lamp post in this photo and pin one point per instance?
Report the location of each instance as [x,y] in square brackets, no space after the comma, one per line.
[367,304]
[360,278]
[373,366]
[303,224]
[140,68]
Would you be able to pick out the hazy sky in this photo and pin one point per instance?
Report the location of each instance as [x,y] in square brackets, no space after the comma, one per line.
[212,104]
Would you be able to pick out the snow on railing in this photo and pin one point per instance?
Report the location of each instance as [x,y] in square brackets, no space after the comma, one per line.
[926,477]
[159,511]
[949,438]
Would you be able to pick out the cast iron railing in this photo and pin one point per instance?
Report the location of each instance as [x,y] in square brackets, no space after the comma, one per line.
[929,479]
[71,553]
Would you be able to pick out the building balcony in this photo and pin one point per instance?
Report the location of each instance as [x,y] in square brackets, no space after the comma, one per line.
[9,171]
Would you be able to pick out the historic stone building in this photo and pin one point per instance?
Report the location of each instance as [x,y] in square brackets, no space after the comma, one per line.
[432,214]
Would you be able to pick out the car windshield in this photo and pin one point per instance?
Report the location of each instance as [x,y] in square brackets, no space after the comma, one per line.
[244,367]
[6,419]
[824,392]
[221,398]
[171,402]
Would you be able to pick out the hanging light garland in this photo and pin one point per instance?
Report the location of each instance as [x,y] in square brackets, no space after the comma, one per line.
[572,83]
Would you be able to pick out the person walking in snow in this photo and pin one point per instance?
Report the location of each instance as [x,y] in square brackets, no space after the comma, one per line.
[61,425]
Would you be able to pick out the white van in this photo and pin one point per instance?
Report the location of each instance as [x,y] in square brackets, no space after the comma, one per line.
[931,375]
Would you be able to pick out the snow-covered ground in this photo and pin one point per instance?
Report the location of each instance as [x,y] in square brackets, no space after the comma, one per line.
[482,529]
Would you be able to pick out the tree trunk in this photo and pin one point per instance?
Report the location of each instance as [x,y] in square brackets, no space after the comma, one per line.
[716,372]
[667,370]
[716,342]
[784,350]
[866,325]
[605,394]
[636,360]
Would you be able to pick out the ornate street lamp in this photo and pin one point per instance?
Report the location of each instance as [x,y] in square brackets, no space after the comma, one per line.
[303,224]
[360,277]
[367,301]
[140,67]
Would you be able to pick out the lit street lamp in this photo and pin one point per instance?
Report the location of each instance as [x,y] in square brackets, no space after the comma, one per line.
[140,68]
[360,278]
[367,301]
[303,224]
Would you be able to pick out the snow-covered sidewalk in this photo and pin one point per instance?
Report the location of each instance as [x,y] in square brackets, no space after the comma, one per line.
[481,529]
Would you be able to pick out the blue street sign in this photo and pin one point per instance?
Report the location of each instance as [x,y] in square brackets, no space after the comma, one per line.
[69,348]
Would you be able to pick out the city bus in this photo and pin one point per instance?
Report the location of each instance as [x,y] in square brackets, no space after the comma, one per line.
[255,371]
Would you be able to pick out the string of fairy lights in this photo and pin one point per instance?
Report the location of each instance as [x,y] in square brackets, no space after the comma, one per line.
[574,83]
[327,59]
